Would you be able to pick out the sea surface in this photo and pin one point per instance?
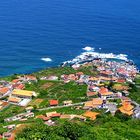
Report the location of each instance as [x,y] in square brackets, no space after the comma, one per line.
[58,30]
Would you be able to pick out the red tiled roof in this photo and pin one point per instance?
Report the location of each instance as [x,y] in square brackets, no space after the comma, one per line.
[12,137]
[56,115]
[44,118]
[19,86]
[1,136]
[15,81]
[5,104]
[53,102]
[106,72]
[31,77]
[4,90]
[103,90]
[79,73]
[91,93]
[121,80]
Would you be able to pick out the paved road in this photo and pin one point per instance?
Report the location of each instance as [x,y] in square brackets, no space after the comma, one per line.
[81,103]
[55,107]
[135,103]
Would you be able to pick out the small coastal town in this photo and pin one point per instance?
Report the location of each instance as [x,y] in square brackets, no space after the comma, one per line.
[81,92]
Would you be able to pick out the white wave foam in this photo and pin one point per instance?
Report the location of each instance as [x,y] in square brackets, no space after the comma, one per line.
[90,55]
[88,48]
[46,59]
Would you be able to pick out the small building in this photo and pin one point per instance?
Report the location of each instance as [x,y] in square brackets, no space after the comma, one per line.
[72,116]
[112,108]
[95,103]
[88,105]
[4,91]
[10,127]
[15,81]
[20,117]
[29,109]
[49,114]
[18,86]
[53,114]
[105,93]
[106,73]
[72,77]
[56,115]
[50,123]
[30,78]
[137,112]
[69,102]
[127,108]
[93,88]
[66,116]
[79,74]
[3,105]
[125,99]
[125,93]
[1,137]
[44,118]
[14,100]
[23,93]
[91,93]
[52,78]
[53,102]
[7,135]
[91,115]
[121,80]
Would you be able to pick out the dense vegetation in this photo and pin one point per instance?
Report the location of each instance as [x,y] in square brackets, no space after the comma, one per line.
[58,71]
[10,111]
[105,127]
[135,90]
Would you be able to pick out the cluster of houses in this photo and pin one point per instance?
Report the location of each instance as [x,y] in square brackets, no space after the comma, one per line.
[8,135]
[47,118]
[99,95]
[20,117]
[54,102]
[14,91]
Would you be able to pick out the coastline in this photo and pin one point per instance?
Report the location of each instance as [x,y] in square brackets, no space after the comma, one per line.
[82,90]
[87,55]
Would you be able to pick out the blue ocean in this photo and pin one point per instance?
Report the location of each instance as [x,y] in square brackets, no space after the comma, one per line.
[58,29]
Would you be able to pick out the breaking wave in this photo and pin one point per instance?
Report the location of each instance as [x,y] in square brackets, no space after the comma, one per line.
[90,54]
[88,48]
[47,59]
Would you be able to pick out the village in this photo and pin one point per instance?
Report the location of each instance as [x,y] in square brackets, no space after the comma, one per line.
[84,92]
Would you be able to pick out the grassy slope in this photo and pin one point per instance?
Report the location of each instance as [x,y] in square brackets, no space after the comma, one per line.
[135,91]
